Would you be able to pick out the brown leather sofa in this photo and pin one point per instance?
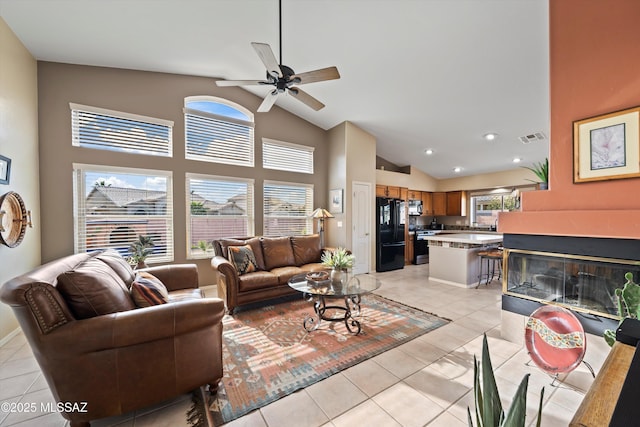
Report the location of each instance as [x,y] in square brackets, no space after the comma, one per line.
[277,259]
[103,350]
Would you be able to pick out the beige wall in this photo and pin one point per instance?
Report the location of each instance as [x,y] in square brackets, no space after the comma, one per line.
[361,167]
[510,178]
[418,180]
[19,142]
[158,95]
[337,177]
[353,158]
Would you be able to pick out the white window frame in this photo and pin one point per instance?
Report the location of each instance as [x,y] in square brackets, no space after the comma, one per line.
[287,156]
[80,191]
[122,138]
[308,229]
[502,193]
[248,217]
[222,153]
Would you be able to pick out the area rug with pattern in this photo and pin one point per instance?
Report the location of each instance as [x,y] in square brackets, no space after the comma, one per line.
[267,353]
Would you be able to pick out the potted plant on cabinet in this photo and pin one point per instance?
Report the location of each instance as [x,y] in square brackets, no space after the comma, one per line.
[541,170]
[139,251]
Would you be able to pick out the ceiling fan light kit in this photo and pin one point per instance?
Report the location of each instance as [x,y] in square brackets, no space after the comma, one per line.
[283,77]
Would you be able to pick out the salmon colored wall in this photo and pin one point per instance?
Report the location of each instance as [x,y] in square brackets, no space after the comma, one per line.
[594,61]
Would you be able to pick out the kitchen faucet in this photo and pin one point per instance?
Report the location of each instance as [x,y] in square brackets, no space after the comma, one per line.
[495,225]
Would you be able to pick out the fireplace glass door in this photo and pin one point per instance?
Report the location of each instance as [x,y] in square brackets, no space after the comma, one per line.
[581,283]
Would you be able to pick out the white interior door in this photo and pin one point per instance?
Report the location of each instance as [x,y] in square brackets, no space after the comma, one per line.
[361,233]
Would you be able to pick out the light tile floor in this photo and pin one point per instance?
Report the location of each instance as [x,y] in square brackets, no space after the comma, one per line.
[425,382]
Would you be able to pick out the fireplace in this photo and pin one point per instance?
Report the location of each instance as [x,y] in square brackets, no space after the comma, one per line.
[578,273]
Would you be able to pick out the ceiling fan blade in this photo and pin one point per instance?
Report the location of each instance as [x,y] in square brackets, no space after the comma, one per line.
[268,102]
[241,82]
[329,73]
[268,58]
[305,98]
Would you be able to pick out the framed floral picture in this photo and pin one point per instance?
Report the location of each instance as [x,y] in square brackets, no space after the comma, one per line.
[607,146]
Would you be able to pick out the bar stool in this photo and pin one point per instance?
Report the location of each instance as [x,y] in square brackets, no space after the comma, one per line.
[492,257]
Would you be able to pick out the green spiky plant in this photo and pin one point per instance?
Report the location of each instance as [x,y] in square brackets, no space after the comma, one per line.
[541,170]
[628,305]
[489,412]
[139,250]
[338,259]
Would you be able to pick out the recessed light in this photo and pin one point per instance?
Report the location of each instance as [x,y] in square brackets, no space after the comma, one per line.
[490,136]
[517,160]
[428,151]
[457,169]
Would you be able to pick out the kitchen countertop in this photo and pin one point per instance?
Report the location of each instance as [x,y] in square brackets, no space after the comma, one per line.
[470,238]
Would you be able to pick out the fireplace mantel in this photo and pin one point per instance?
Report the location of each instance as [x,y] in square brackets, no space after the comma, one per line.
[621,224]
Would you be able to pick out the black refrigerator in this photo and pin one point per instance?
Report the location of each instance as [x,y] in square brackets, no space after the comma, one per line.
[390,243]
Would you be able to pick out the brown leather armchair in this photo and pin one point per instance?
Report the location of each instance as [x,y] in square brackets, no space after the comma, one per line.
[125,360]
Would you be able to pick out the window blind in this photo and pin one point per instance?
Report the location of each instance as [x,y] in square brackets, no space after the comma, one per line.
[218,207]
[113,206]
[286,156]
[218,139]
[287,209]
[103,129]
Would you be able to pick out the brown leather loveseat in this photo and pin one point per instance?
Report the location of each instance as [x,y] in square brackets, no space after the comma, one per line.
[252,269]
[95,347]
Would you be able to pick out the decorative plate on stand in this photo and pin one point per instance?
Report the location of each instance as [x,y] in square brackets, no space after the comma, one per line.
[555,339]
[13,219]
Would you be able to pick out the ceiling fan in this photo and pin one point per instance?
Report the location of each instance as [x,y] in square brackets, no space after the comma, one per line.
[283,78]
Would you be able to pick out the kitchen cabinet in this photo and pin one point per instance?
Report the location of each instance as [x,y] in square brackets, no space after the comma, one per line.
[403,193]
[408,249]
[456,203]
[415,195]
[439,204]
[427,203]
[388,191]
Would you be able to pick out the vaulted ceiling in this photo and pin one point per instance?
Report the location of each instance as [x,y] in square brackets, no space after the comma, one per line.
[417,74]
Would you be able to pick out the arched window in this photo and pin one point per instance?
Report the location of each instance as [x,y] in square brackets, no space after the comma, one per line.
[219,131]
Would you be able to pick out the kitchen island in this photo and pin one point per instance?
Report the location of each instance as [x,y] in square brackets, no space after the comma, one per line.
[453,258]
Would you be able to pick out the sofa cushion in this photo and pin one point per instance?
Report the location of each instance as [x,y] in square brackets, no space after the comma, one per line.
[257,280]
[93,289]
[242,259]
[113,259]
[306,249]
[286,273]
[148,290]
[314,266]
[185,295]
[277,252]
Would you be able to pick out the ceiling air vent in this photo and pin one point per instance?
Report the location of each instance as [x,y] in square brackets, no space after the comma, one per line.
[533,137]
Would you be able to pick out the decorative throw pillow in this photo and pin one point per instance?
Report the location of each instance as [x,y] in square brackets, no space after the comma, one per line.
[148,290]
[243,259]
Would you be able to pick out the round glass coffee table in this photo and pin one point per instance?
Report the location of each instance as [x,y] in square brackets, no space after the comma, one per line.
[350,288]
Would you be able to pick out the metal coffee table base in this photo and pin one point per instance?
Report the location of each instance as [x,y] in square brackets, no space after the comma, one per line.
[351,308]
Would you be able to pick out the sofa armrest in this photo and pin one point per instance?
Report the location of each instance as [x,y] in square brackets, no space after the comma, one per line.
[176,276]
[228,279]
[135,327]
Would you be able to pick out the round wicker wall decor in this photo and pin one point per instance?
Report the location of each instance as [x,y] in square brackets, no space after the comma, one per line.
[13,219]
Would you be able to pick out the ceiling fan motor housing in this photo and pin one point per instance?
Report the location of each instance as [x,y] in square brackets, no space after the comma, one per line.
[285,81]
